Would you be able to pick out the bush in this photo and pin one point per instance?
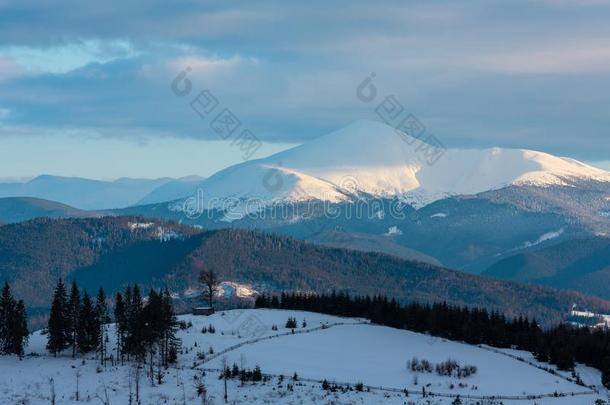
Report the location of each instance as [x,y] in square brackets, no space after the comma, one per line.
[359,387]
[448,368]
[452,368]
[423,366]
[291,323]
[246,375]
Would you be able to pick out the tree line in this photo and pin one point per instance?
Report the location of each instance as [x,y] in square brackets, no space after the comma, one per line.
[13,323]
[145,327]
[562,345]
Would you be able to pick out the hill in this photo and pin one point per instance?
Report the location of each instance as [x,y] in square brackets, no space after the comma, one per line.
[114,251]
[342,351]
[579,264]
[17,209]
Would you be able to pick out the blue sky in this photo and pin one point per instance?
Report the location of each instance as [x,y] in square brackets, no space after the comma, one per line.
[85,88]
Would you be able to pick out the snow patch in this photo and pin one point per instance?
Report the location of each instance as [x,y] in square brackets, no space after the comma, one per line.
[230,289]
[439,215]
[545,237]
[393,230]
[140,225]
[166,235]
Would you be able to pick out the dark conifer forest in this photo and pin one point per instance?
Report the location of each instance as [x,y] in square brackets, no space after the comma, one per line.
[145,329]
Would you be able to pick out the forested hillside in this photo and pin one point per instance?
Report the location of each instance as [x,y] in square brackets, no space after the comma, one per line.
[580,264]
[114,251]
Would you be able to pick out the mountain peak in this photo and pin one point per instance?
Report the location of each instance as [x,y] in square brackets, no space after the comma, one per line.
[373,158]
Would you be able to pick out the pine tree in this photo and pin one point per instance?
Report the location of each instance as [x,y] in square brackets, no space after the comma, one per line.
[73,316]
[18,330]
[134,338]
[7,307]
[152,316]
[87,326]
[121,325]
[170,327]
[13,324]
[58,338]
[101,319]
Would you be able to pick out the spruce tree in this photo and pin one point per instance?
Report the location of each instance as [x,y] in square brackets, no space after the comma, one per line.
[13,324]
[87,326]
[58,338]
[101,319]
[153,326]
[73,316]
[121,324]
[18,330]
[170,327]
[134,339]
[7,307]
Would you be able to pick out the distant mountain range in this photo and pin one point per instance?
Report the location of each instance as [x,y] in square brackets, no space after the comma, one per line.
[370,188]
[114,251]
[87,194]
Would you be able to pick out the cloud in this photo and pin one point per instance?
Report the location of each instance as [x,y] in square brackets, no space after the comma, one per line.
[204,67]
[530,74]
[66,57]
[9,69]
[564,58]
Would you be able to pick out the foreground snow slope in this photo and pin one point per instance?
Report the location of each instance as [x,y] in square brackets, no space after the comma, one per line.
[377,356]
[371,157]
[345,350]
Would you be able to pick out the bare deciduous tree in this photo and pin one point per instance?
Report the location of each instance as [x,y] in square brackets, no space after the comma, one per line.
[209,279]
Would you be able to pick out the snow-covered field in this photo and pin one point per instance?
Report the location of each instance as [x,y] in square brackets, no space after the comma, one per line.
[340,350]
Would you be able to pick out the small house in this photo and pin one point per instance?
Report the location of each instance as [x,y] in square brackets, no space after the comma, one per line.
[205,311]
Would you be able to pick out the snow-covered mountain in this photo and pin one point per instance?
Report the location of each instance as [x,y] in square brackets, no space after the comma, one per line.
[372,158]
[171,190]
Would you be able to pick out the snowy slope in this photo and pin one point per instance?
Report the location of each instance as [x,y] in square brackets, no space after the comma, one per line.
[346,351]
[172,190]
[370,157]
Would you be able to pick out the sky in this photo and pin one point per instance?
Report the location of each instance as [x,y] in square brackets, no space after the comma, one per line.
[93,89]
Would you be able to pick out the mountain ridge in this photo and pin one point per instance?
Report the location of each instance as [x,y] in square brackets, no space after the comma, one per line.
[374,159]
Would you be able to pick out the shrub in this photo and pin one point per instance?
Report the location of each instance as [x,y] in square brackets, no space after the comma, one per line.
[291,323]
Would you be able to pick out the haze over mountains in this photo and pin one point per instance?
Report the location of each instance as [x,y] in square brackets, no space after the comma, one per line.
[90,194]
